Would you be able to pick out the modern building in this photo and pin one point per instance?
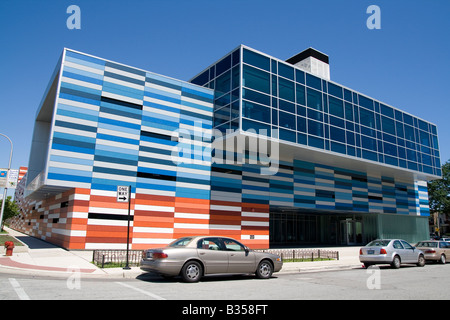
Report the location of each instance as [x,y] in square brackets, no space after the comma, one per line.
[268,151]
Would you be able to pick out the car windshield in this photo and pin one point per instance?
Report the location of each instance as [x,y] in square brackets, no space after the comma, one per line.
[379,243]
[427,244]
[182,242]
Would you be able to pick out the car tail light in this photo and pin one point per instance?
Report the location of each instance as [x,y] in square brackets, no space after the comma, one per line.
[360,252]
[430,251]
[159,255]
[383,251]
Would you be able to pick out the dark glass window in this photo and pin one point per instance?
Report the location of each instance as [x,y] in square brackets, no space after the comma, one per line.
[300,90]
[316,115]
[256,79]
[286,106]
[334,90]
[223,84]
[365,102]
[368,143]
[390,149]
[286,89]
[255,111]
[315,128]
[256,96]
[387,111]
[367,118]
[202,79]
[409,132]
[388,125]
[337,134]
[301,124]
[348,111]
[336,107]
[288,135]
[256,60]
[314,99]
[313,82]
[286,120]
[223,65]
[424,138]
[299,76]
[285,71]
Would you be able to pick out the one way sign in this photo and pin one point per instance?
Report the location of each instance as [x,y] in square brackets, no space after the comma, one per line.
[123,193]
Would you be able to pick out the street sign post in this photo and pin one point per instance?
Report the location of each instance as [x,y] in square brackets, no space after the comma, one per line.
[124,195]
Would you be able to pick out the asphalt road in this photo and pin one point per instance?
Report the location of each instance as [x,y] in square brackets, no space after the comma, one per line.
[409,282]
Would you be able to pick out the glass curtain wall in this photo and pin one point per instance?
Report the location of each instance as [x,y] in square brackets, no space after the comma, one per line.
[301,108]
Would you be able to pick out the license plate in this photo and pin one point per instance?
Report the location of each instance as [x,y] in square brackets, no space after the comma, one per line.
[370,251]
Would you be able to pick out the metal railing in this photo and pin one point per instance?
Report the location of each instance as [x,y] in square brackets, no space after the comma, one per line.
[116,258]
[303,254]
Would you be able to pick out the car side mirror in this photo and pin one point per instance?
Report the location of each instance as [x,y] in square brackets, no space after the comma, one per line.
[246,249]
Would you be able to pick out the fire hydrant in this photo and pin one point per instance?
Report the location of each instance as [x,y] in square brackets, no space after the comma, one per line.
[9,246]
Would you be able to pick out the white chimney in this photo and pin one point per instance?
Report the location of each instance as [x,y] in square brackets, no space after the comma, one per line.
[312,61]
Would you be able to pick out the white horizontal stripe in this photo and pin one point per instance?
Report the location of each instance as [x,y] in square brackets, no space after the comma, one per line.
[151,230]
[81,83]
[108,176]
[256,237]
[144,207]
[225,208]
[84,68]
[119,118]
[256,214]
[70,154]
[190,226]
[192,215]
[77,121]
[111,211]
[104,222]
[79,104]
[124,73]
[70,184]
[76,132]
[71,166]
[118,144]
[224,227]
[255,223]
[151,241]
[124,83]
[163,88]
[121,97]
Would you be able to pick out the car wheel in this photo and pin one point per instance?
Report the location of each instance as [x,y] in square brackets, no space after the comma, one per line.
[421,261]
[191,271]
[264,270]
[442,259]
[396,262]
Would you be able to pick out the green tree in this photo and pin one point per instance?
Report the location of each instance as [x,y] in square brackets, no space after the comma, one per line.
[11,209]
[439,191]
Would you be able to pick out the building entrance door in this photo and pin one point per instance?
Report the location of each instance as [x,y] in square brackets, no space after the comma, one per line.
[350,232]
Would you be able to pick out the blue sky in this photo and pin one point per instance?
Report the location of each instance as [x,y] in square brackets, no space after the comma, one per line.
[404,64]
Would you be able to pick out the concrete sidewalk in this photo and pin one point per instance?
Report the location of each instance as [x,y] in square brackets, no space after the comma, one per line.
[38,257]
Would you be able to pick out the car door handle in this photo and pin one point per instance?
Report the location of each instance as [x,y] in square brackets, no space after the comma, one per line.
[202,253]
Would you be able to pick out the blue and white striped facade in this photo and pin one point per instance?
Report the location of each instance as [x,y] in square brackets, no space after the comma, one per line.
[102,124]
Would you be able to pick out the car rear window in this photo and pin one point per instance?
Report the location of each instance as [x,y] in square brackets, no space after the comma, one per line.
[379,243]
[427,244]
[182,242]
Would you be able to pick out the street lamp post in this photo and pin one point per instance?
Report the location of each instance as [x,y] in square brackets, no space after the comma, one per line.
[6,187]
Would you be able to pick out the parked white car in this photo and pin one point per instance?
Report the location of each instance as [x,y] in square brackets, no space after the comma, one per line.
[391,251]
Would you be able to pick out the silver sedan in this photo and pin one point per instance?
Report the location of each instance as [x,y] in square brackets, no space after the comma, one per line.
[390,251]
[193,257]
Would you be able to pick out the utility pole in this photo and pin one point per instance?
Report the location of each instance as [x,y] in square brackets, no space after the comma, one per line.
[6,187]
